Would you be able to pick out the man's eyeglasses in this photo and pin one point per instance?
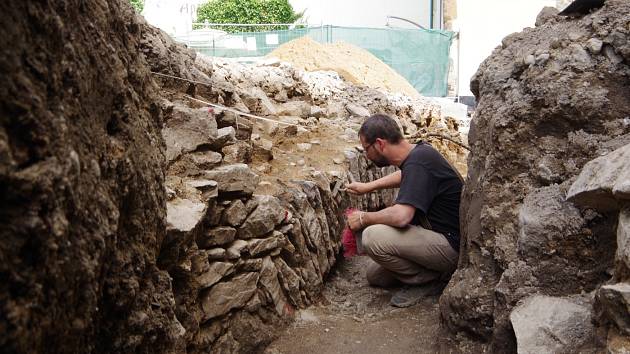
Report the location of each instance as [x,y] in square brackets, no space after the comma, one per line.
[367,148]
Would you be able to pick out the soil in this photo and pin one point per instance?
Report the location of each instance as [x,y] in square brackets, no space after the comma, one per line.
[353,317]
[326,146]
[354,64]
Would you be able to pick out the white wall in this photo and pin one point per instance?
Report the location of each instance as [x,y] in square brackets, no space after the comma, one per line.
[172,16]
[483,24]
[363,13]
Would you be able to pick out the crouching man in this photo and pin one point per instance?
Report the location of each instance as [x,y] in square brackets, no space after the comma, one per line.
[414,242]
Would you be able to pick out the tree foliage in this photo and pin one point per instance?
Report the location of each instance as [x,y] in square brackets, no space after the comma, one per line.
[138,5]
[247,11]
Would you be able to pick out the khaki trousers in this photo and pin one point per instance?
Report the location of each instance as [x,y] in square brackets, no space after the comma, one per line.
[411,255]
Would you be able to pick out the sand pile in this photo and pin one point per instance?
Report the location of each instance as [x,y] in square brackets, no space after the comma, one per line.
[354,64]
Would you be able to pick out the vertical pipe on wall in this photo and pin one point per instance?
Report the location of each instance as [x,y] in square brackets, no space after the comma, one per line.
[431,14]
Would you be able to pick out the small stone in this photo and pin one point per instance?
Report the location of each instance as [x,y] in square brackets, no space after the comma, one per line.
[216,254]
[303,147]
[203,184]
[240,152]
[542,58]
[258,246]
[356,110]
[271,128]
[301,162]
[235,249]
[217,236]
[594,45]
[264,168]
[289,130]
[225,136]
[235,214]
[529,60]
[337,160]
[317,112]
[206,159]
[264,150]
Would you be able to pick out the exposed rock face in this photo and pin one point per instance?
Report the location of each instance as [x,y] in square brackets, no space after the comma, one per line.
[81,181]
[549,102]
[544,324]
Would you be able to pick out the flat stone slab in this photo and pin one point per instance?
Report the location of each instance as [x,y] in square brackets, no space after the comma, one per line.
[225,296]
[184,214]
[237,178]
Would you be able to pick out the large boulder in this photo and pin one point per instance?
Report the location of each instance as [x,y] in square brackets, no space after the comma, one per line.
[546,107]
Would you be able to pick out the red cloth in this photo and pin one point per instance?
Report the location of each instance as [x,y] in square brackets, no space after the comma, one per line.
[347,238]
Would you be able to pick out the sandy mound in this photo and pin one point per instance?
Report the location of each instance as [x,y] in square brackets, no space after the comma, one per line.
[351,62]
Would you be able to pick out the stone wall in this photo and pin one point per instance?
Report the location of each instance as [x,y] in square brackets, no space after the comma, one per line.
[242,263]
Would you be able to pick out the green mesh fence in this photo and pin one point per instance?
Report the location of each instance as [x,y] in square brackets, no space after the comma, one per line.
[420,56]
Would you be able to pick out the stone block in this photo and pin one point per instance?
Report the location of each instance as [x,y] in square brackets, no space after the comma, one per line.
[216,236]
[234,179]
[235,214]
[225,296]
[217,271]
[187,129]
[263,219]
[239,152]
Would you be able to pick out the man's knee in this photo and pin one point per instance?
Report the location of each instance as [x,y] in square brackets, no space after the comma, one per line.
[373,238]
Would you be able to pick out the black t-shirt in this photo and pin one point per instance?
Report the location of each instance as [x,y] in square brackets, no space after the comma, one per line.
[431,185]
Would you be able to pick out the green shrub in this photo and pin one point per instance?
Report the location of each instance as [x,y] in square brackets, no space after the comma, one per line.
[138,5]
[247,11]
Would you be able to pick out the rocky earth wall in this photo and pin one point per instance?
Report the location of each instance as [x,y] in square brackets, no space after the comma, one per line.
[82,202]
[551,99]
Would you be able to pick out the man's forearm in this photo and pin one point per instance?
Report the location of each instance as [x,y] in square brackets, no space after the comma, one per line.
[396,215]
[392,180]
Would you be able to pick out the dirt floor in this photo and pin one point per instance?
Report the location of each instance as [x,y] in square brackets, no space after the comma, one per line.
[352,317]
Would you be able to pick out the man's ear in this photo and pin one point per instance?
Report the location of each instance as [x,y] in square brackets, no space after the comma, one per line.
[381,143]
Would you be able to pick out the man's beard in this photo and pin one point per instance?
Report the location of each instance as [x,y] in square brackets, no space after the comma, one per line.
[381,161]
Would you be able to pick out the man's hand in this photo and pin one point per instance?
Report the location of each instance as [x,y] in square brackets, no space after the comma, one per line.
[358,188]
[354,220]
